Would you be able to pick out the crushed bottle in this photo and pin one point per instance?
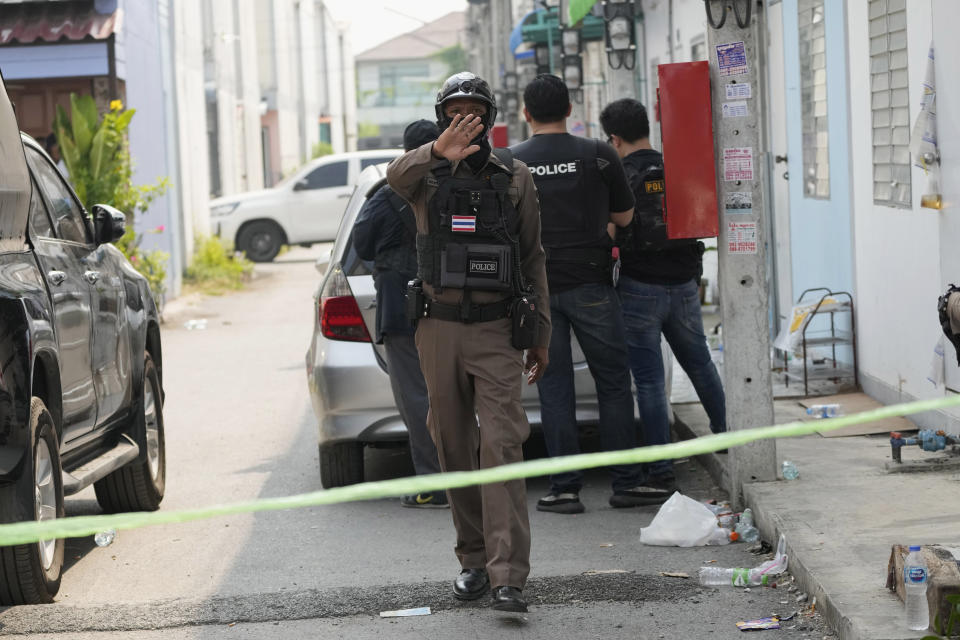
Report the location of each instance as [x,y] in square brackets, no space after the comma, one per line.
[743,577]
[105,538]
[789,470]
[745,528]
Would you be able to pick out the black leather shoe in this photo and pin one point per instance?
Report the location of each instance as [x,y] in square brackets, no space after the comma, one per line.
[509,599]
[471,584]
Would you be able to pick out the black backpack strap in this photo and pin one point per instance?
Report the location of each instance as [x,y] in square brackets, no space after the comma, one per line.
[402,207]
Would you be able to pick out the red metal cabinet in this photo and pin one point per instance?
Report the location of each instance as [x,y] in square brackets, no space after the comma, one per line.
[686,132]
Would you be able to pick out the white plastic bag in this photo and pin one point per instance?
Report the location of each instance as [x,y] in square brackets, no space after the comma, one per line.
[680,522]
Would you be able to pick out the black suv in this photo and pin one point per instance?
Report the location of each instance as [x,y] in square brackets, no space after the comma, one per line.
[80,365]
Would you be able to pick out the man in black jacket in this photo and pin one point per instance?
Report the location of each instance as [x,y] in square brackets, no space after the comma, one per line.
[659,293]
[385,233]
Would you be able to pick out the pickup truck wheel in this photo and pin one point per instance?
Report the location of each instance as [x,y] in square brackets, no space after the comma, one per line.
[30,573]
[261,241]
[139,485]
[341,464]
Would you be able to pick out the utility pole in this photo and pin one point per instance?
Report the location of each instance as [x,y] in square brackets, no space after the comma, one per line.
[739,108]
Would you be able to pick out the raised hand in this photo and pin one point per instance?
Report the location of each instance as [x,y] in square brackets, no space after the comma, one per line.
[454,143]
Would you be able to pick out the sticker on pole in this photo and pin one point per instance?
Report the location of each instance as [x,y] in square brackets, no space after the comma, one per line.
[741,237]
[738,203]
[736,109]
[732,59]
[737,164]
[738,91]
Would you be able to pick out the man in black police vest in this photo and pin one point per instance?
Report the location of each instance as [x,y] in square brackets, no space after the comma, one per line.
[659,292]
[386,233]
[582,191]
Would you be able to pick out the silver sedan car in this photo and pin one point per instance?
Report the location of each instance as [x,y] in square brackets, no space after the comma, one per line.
[347,372]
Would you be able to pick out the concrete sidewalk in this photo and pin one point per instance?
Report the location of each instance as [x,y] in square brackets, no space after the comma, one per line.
[841,517]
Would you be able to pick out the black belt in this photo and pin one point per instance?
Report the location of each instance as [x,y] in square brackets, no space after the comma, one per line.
[578,254]
[474,312]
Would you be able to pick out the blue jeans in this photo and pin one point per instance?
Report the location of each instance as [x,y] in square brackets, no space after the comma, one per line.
[674,311]
[592,311]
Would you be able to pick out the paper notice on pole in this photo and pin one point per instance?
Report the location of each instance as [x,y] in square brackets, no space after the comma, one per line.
[737,164]
[738,91]
[732,59]
[738,203]
[736,109]
[741,237]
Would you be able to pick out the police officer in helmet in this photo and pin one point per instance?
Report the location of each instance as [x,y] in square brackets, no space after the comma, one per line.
[659,293]
[582,190]
[478,308]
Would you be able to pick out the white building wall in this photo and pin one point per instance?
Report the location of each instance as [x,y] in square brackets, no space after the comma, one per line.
[897,258]
[194,176]
[248,98]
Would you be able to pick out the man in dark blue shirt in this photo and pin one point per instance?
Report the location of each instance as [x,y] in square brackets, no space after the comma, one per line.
[583,194]
[385,233]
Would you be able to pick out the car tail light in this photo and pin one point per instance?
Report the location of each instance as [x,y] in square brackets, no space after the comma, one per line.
[340,317]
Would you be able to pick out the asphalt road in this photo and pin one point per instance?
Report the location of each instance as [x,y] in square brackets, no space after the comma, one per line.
[239,426]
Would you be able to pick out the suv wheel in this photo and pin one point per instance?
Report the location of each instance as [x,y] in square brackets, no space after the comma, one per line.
[30,573]
[139,485]
[341,464]
[260,241]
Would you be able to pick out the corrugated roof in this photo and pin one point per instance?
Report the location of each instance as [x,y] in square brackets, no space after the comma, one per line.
[420,43]
[24,23]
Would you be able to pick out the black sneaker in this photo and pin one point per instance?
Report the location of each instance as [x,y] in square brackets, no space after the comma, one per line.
[560,503]
[432,500]
[653,491]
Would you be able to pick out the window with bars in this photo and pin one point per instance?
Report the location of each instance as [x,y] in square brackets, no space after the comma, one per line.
[890,102]
[813,99]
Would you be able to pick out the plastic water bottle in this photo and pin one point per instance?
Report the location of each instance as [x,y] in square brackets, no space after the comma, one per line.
[105,538]
[915,584]
[825,410]
[745,529]
[721,536]
[735,577]
[790,471]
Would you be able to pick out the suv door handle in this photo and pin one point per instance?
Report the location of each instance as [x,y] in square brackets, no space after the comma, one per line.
[56,277]
[91,276]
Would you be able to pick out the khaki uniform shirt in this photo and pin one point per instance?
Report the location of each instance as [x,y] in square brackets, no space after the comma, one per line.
[408,175]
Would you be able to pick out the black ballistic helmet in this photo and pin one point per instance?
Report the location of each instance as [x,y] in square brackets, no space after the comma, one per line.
[468,86]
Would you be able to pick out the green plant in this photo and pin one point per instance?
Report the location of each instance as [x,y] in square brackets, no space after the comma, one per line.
[216,268]
[94,148]
[321,149]
[455,57]
[368,130]
[953,621]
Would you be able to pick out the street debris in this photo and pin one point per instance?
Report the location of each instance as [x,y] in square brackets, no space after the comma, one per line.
[789,470]
[680,522]
[603,572]
[105,538]
[405,613]
[674,574]
[760,624]
[764,574]
[196,324]
[606,545]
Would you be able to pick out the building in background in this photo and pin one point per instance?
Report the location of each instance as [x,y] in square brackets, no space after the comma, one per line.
[397,81]
[230,94]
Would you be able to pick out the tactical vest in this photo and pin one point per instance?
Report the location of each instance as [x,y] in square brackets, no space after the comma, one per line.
[473,229]
[648,231]
[574,201]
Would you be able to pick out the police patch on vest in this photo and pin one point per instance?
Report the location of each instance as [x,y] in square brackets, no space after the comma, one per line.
[463,224]
[484,267]
[653,186]
[555,169]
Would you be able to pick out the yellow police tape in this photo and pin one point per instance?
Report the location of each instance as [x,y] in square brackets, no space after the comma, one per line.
[27,532]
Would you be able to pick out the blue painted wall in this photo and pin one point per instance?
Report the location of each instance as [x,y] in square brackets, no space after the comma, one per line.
[821,241]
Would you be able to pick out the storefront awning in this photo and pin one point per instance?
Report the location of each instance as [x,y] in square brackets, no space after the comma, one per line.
[55,22]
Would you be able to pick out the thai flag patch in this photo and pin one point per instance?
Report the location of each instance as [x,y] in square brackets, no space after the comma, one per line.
[463,224]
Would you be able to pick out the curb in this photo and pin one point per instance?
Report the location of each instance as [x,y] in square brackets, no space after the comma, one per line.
[771,526]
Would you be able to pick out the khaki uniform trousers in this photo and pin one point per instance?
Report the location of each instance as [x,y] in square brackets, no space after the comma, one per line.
[473,376]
